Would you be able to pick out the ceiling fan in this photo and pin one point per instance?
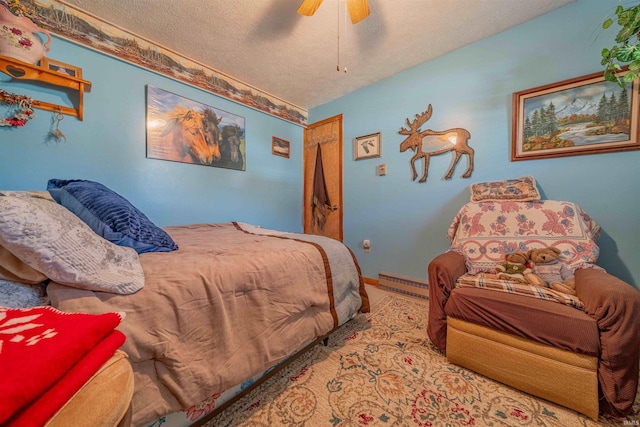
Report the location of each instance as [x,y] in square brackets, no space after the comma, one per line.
[358,9]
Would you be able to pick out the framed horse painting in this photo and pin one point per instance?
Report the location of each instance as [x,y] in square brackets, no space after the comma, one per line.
[183,130]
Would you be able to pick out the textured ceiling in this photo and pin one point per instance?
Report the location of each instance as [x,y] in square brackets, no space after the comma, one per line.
[266,44]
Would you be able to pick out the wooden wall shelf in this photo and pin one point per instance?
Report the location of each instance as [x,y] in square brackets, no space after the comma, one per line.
[25,71]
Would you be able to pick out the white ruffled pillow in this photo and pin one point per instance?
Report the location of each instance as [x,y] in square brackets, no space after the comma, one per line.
[52,240]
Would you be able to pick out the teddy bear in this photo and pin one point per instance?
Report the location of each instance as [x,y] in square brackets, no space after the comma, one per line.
[514,268]
[548,271]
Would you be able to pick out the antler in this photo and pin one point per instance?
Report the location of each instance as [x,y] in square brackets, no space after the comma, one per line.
[419,121]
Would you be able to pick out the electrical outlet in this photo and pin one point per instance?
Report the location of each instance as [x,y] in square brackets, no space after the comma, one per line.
[382,169]
[366,244]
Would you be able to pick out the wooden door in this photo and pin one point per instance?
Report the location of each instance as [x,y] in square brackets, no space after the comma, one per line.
[325,218]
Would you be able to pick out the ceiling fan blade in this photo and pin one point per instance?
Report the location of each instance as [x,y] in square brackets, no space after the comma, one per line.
[358,10]
[309,7]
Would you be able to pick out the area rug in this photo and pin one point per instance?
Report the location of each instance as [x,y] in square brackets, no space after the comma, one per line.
[380,369]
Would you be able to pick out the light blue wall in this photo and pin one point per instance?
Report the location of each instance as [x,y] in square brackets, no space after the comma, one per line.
[109,147]
[472,88]
[406,221]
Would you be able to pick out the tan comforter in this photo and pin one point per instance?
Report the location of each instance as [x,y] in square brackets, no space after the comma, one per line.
[233,301]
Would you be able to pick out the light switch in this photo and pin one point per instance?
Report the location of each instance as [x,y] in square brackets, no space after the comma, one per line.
[382,169]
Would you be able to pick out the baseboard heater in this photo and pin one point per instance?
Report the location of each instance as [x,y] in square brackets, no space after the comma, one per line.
[404,285]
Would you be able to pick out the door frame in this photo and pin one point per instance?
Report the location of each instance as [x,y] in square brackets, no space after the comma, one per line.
[305,210]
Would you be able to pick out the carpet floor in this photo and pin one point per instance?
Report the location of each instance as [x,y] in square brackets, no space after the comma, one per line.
[380,369]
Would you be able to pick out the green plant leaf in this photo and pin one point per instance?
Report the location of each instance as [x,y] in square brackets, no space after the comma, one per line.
[631,19]
[624,35]
[610,77]
[626,53]
[626,17]
[635,22]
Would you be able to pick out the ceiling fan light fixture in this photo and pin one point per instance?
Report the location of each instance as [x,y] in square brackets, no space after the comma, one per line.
[358,9]
[309,7]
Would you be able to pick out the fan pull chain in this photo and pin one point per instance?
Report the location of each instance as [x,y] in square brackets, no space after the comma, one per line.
[338,22]
[345,35]
[345,29]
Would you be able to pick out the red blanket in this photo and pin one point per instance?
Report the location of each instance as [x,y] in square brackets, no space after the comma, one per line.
[43,349]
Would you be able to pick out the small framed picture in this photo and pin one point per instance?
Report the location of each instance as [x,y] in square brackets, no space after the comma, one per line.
[366,147]
[280,147]
[61,67]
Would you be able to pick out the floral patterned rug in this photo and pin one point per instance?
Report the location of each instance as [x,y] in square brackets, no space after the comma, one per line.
[380,369]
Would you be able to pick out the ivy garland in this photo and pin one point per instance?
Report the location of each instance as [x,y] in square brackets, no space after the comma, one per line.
[24,112]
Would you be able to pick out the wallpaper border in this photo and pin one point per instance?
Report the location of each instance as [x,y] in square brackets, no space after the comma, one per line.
[83,28]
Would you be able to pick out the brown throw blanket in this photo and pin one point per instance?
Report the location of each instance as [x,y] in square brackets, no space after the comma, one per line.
[612,303]
[320,204]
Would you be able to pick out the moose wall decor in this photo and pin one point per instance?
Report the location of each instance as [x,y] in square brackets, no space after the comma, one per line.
[429,143]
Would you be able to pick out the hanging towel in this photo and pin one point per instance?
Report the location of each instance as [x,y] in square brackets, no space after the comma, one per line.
[321,205]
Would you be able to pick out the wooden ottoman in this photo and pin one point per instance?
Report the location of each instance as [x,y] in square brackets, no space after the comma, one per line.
[103,401]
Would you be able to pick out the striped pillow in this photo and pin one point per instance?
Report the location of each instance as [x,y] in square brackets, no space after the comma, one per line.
[522,189]
[110,215]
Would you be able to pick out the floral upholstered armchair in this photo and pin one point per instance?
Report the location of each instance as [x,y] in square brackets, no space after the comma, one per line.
[528,336]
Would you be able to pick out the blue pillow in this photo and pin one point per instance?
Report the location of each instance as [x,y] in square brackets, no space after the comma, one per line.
[110,215]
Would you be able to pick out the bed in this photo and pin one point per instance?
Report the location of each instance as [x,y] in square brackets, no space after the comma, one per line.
[219,305]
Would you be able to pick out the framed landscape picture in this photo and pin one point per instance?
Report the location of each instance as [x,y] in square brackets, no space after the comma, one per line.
[182,130]
[584,115]
[280,147]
